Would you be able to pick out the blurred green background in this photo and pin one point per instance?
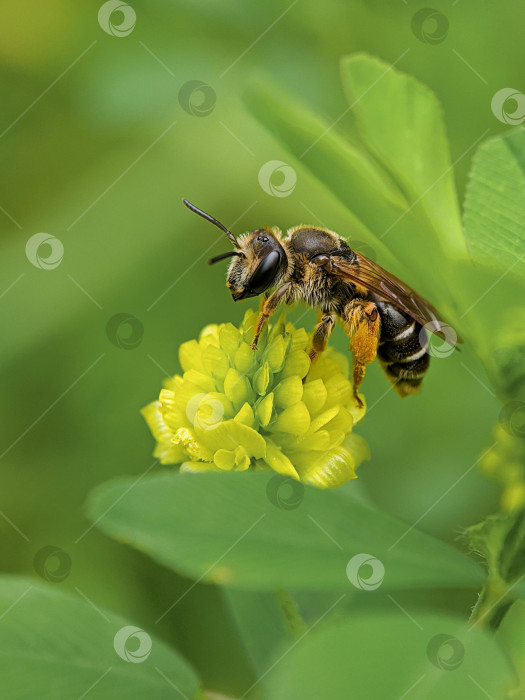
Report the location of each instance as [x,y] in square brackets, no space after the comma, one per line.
[97,150]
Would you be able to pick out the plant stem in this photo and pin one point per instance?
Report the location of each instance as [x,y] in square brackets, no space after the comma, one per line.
[492,605]
[290,612]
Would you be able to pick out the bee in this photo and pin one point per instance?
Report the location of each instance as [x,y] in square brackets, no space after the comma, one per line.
[382,316]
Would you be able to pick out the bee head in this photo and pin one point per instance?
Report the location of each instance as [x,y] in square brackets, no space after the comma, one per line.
[258,266]
[258,260]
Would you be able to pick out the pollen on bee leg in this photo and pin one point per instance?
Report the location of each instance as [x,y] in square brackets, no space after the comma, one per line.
[363,328]
[320,337]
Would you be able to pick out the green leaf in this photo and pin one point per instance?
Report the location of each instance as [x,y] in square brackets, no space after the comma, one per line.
[222,528]
[495,203]
[400,121]
[428,657]
[56,645]
[260,625]
[511,635]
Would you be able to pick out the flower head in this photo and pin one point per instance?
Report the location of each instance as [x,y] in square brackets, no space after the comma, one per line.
[234,408]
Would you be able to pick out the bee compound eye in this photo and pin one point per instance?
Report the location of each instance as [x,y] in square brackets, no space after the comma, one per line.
[265,273]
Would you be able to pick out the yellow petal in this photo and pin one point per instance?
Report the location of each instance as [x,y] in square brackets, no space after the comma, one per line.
[297,362]
[357,412]
[315,441]
[339,390]
[275,353]
[246,416]
[209,335]
[288,392]
[203,381]
[277,328]
[242,460]
[329,470]
[261,379]
[229,337]
[359,448]
[278,461]
[323,418]
[342,422]
[248,325]
[294,420]
[264,410]
[224,459]
[229,435]
[186,438]
[237,387]
[190,356]
[206,411]
[215,361]
[314,395]
[299,339]
[165,450]
[244,358]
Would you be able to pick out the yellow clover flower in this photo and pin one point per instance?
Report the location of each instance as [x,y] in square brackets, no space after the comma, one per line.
[235,408]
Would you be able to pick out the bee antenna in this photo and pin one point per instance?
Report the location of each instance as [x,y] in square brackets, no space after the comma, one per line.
[223,256]
[212,220]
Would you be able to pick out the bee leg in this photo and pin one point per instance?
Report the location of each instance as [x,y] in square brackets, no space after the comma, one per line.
[363,326]
[264,298]
[322,332]
[267,309]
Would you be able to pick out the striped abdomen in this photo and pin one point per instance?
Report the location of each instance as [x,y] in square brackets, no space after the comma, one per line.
[402,350]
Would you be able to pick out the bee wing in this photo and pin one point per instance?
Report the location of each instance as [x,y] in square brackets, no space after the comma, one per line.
[374,278]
